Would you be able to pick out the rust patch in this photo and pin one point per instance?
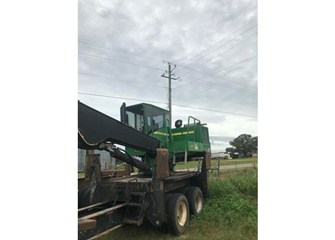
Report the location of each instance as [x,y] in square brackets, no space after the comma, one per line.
[162,163]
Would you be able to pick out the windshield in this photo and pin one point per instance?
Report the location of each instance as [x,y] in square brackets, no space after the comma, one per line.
[135,120]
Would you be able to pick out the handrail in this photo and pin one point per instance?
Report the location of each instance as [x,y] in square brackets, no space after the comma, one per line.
[194,123]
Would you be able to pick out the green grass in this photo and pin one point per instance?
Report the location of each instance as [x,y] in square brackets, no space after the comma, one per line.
[230,213]
[229,171]
[232,208]
[81,174]
[194,164]
[235,161]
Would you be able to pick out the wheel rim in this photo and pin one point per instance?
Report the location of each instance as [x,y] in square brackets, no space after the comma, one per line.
[182,213]
[198,203]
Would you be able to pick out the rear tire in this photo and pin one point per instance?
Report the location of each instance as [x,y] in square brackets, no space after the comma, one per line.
[177,213]
[195,200]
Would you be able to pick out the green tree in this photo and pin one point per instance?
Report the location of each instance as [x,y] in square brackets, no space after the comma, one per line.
[245,144]
[254,143]
[231,151]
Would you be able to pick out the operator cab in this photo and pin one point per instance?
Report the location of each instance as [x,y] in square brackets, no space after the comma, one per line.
[145,117]
[183,142]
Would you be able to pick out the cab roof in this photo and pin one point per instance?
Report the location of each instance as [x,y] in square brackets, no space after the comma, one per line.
[137,108]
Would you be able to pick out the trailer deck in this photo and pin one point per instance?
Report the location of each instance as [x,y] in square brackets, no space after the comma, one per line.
[125,200]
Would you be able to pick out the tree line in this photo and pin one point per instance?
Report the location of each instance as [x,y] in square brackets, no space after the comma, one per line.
[244,145]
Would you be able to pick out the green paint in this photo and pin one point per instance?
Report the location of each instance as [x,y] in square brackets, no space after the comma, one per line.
[192,138]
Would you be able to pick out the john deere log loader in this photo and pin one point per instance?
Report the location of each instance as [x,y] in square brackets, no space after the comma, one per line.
[156,191]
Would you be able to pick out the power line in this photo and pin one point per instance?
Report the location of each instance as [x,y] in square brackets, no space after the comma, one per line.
[98,76]
[101,44]
[227,50]
[211,110]
[202,79]
[245,96]
[108,96]
[223,85]
[115,60]
[213,50]
[238,63]
[225,69]
[136,55]
[137,99]
[219,54]
[116,50]
[217,42]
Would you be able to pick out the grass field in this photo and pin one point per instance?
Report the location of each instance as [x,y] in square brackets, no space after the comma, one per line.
[194,164]
[230,212]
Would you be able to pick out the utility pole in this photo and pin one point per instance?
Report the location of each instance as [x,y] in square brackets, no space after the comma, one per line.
[169,76]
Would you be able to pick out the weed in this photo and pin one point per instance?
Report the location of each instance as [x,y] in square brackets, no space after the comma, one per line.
[232,206]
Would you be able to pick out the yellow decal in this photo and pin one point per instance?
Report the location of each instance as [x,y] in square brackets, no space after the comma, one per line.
[174,134]
[182,133]
[160,133]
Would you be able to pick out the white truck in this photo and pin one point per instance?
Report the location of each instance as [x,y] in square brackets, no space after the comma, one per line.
[221,155]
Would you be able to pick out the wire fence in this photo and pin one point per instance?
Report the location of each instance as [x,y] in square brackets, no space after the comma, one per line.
[222,166]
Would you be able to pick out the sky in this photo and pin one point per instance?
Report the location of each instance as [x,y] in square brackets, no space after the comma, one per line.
[124,47]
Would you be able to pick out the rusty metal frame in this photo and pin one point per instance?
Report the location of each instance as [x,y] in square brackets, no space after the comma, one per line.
[117,191]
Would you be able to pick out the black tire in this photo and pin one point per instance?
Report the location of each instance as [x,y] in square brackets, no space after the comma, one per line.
[177,213]
[178,123]
[195,200]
